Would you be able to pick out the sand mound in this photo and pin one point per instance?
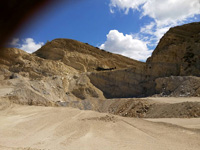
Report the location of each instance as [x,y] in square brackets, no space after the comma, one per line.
[150,108]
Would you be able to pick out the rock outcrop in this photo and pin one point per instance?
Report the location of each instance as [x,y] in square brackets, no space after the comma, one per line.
[70,73]
[178,86]
[120,83]
[114,75]
[177,54]
[37,81]
[83,57]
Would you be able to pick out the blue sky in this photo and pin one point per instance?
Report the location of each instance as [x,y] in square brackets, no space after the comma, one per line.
[128,27]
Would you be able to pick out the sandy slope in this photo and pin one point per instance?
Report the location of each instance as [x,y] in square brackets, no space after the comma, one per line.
[48,128]
[173,100]
[193,123]
[5,90]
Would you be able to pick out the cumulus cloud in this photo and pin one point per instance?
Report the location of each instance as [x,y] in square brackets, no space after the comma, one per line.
[170,11]
[126,45]
[28,44]
[165,14]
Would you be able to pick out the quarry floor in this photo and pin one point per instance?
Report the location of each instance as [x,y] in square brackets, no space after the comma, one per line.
[58,128]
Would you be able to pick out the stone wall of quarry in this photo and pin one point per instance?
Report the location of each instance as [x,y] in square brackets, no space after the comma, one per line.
[56,67]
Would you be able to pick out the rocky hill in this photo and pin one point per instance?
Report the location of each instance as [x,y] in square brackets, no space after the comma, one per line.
[104,69]
[70,73]
[84,57]
[178,53]
[36,81]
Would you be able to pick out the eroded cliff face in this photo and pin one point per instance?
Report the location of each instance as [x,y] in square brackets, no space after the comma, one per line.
[177,54]
[70,73]
[36,81]
[114,75]
[120,83]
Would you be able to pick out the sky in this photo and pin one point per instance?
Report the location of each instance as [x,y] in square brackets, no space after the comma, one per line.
[131,28]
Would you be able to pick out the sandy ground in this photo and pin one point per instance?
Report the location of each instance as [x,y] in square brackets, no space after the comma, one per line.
[50,128]
[173,100]
[193,123]
[5,90]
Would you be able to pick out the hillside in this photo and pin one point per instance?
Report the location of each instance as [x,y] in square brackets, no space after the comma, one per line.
[67,72]
[177,53]
[84,57]
[36,81]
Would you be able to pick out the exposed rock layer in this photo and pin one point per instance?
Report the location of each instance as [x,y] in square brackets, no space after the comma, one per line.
[178,86]
[36,81]
[178,53]
[83,57]
[70,73]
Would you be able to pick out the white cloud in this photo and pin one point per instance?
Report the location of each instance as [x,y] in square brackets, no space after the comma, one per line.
[171,11]
[148,29]
[125,5]
[153,32]
[165,14]
[28,44]
[126,45]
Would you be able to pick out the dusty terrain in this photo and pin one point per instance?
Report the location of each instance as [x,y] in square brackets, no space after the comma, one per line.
[71,95]
[50,128]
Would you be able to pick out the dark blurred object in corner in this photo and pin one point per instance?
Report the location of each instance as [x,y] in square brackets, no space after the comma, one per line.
[13,13]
